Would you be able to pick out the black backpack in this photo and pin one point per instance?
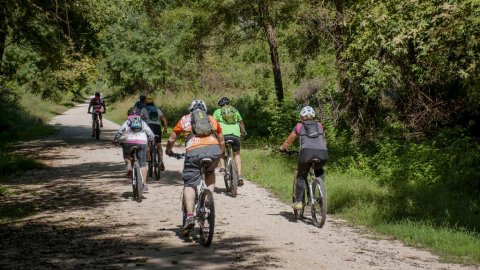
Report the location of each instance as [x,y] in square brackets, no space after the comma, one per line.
[201,126]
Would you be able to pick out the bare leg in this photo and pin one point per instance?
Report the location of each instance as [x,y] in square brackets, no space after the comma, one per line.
[238,162]
[210,180]
[144,174]
[189,198]
[222,163]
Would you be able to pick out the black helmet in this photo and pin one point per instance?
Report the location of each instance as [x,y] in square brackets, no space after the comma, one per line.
[143,97]
[133,110]
[223,101]
[97,94]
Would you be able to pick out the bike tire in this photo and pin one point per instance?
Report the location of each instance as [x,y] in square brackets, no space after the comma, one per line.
[206,218]
[319,207]
[139,183]
[97,130]
[233,178]
[227,176]
[156,165]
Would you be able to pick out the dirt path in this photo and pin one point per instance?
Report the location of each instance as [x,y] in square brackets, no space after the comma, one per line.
[87,220]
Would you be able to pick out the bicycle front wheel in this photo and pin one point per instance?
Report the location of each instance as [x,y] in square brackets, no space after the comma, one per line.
[137,183]
[206,218]
[319,203]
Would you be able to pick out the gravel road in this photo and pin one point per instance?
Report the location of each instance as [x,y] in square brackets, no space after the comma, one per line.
[85,219]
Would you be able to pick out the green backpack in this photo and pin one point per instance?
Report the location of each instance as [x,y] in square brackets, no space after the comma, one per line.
[229,114]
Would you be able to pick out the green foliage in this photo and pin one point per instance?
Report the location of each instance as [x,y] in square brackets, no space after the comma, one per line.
[403,58]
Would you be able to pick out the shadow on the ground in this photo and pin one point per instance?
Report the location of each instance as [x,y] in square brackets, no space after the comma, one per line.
[77,244]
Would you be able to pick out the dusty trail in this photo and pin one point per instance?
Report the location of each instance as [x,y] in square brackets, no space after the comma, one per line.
[87,220]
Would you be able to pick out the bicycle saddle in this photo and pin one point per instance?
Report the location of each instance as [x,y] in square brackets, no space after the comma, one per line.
[229,141]
[315,160]
[206,162]
[134,148]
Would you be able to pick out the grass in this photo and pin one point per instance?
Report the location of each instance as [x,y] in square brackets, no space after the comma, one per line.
[32,118]
[17,211]
[11,163]
[452,244]
[362,201]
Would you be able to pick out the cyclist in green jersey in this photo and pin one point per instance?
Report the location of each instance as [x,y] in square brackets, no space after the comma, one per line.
[232,127]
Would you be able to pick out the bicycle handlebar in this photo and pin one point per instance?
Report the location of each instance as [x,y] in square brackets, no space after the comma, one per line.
[177,155]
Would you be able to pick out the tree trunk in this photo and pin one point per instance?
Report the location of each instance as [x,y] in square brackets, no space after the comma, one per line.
[3,36]
[338,30]
[272,43]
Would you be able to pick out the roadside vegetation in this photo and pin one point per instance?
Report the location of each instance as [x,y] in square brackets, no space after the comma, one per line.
[396,84]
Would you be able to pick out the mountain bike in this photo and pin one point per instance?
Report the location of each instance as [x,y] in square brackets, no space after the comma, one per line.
[204,206]
[230,177]
[137,178]
[155,159]
[96,124]
[314,196]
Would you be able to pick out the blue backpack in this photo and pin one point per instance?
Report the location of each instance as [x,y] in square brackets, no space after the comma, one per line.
[152,113]
[135,124]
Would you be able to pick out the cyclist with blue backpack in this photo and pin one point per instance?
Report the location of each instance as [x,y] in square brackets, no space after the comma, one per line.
[136,133]
[232,127]
[152,116]
[313,144]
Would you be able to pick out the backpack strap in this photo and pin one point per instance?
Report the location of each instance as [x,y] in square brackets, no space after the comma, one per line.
[298,127]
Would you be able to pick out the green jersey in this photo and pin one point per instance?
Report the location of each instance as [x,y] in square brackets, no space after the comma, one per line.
[228,129]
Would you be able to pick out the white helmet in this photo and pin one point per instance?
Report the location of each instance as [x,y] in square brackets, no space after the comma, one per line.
[307,110]
[197,104]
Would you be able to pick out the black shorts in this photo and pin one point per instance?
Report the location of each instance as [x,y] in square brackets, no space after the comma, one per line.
[236,142]
[156,129]
[191,167]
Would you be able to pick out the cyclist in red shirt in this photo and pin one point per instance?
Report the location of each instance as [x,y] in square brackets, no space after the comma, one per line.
[98,105]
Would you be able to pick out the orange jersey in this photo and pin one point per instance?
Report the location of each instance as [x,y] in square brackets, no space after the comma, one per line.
[184,126]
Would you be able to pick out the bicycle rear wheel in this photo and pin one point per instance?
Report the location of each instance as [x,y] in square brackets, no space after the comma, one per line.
[233,178]
[227,175]
[206,218]
[156,164]
[319,205]
[137,183]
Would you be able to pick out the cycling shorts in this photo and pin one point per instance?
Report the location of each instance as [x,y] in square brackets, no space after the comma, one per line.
[191,167]
[142,153]
[157,130]
[236,142]
[94,116]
